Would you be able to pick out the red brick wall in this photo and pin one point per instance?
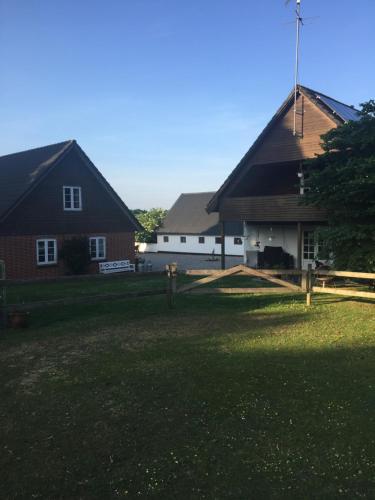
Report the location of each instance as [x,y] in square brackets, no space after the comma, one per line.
[19,254]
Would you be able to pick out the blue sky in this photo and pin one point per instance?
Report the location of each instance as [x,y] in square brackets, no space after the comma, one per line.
[166,96]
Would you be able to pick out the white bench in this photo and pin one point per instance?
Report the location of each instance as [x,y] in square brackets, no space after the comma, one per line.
[117,266]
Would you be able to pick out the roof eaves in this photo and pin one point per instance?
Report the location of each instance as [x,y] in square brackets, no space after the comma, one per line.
[212,206]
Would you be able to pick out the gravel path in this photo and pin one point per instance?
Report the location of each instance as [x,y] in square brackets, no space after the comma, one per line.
[187,261]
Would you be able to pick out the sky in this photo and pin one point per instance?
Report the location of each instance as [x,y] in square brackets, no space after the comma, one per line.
[166,96]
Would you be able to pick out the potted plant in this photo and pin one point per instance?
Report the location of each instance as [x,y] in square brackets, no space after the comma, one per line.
[18,319]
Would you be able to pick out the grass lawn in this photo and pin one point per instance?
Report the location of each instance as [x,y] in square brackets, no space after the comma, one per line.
[242,397]
[52,290]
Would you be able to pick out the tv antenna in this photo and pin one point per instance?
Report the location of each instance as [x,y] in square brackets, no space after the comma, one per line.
[299,24]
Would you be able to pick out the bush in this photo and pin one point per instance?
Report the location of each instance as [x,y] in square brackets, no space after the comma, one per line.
[76,255]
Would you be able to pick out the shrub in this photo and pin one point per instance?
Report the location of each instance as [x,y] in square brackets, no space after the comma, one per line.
[76,255]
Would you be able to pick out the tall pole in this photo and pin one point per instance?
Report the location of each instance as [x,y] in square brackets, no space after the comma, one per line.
[298,25]
[222,227]
[299,245]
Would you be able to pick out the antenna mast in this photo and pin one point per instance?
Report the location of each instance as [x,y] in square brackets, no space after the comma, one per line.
[299,23]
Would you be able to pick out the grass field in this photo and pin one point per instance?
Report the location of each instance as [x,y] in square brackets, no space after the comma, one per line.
[243,397]
[81,287]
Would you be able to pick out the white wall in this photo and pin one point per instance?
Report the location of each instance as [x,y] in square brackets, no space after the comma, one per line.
[280,236]
[193,246]
[147,247]
[273,236]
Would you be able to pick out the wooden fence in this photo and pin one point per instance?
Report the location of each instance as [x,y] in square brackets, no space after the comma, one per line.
[242,270]
[9,309]
[328,276]
[307,281]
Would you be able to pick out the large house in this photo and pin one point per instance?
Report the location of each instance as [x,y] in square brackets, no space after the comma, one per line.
[266,188]
[54,193]
[188,228]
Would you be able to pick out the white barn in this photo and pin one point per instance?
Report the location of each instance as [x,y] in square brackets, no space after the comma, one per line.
[188,228]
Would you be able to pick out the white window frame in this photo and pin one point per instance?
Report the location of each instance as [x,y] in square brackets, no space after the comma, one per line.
[72,208]
[45,241]
[311,245]
[96,239]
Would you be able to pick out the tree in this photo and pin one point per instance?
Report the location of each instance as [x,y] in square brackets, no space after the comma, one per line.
[342,181]
[150,220]
[76,255]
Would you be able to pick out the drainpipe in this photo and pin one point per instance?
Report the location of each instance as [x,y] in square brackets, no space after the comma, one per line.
[222,227]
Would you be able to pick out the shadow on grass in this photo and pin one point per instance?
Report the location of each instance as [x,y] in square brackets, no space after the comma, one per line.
[80,318]
[205,416]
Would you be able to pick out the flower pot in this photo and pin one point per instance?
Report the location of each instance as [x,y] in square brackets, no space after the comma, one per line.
[18,319]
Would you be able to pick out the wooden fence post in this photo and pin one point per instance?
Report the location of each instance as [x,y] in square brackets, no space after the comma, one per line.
[3,296]
[172,283]
[309,285]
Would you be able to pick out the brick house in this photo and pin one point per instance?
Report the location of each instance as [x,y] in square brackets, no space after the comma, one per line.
[53,193]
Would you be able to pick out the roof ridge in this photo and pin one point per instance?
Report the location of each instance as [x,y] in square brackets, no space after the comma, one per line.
[329,97]
[62,143]
[198,192]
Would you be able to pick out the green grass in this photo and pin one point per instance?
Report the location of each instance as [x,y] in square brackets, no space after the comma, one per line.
[50,290]
[53,290]
[243,397]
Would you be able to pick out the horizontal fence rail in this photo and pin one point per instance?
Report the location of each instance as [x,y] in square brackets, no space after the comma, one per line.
[270,272]
[242,270]
[84,300]
[308,281]
[301,281]
[81,277]
[344,292]
[240,291]
[345,274]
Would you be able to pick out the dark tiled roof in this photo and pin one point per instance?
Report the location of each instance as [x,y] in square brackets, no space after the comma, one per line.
[19,171]
[189,216]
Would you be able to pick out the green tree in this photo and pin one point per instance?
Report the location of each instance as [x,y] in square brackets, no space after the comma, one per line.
[76,255]
[150,220]
[342,181]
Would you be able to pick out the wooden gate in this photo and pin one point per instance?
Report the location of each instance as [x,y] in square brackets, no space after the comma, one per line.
[268,275]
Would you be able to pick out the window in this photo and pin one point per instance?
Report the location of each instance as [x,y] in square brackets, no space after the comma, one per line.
[72,198]
[303,177]
[97,248]
[311,245]
[165,239]
[218,240]
[238,241]
[201,239]
[46,252]
[182,239]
